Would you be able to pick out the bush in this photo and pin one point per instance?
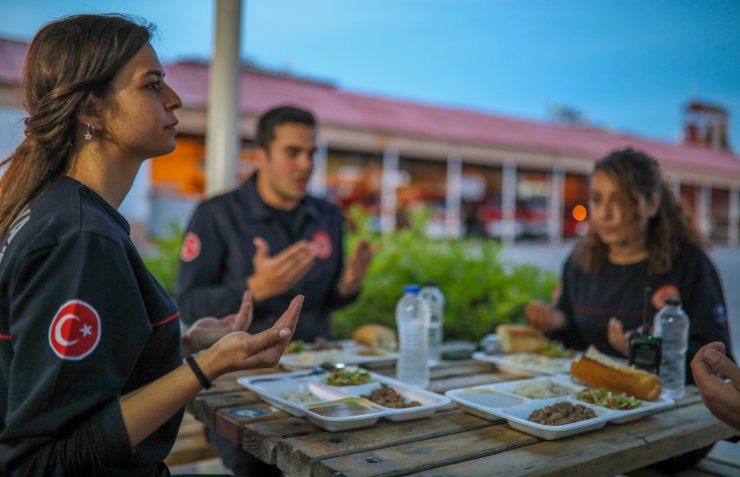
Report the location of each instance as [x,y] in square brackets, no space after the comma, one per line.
[164,262]
[481,290]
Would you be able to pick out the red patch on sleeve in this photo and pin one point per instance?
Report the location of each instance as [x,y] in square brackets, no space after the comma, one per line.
[322,245]
[75,330]
[660,295]
[190,247]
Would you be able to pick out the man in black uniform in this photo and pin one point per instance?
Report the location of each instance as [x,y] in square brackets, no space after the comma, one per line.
[268,236]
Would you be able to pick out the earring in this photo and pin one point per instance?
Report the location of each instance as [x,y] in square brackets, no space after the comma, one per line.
[89,133]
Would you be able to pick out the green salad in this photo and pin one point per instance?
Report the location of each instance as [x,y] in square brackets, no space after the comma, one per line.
[345,377]
[603,398]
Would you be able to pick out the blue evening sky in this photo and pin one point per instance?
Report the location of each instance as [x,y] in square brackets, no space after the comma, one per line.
[629,65]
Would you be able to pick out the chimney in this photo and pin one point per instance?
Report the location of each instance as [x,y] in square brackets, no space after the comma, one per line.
[705,125]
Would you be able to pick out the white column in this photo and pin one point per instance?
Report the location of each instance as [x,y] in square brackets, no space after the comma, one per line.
[703,209]
[317,184]
[676,186]
[734,217]
[222,133]
[555,211]
[453,202]
[389,183]
[508,204]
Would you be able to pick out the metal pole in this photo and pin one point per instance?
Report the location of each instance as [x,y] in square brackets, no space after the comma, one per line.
[222,132]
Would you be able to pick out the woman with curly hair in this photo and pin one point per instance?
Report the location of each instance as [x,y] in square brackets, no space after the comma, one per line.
[639,236]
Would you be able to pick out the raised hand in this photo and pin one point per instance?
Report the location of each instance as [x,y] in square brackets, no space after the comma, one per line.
[718,380]
[207,330]
[279,273]
[356,267]
[543,317]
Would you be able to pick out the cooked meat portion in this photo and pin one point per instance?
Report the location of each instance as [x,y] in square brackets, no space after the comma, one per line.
[388,397]
[561,413]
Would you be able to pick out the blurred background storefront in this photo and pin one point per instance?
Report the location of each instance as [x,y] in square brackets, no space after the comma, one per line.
[479,174]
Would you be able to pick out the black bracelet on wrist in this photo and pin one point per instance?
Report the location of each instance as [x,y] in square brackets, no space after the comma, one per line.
[198,372]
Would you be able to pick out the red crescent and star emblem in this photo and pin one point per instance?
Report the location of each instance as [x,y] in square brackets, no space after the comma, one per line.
[659,295]
[321,244]
[75,330]
[190,247]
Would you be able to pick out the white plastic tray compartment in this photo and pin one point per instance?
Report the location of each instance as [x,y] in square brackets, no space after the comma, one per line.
[430,402]
[514,388]
[353,413]
[274,391]
[518,419]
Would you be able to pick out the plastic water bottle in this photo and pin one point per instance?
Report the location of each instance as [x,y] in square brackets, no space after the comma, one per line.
[412,317]
[435,300]
[672,326]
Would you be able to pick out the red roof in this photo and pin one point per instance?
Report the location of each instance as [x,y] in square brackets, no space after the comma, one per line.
[262,90]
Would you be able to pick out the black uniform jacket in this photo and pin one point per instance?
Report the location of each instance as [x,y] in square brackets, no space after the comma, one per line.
[82,323]
[217,259]
[590,300]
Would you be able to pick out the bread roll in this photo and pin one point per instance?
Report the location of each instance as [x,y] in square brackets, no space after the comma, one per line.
[600,371]
[377,337]
[520,339]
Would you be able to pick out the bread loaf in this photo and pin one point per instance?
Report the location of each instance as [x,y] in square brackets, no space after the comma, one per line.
[598,370]
[520,339]
[377,337]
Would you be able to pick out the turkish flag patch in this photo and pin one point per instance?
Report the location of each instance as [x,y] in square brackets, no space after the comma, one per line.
[190,247]
[660,295]
[75,330]
[321,244]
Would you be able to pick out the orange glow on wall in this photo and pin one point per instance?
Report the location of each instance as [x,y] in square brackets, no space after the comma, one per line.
[579,213]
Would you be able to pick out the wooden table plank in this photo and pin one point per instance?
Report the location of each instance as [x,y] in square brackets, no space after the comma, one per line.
[297,456]
[261,439]
[230,421]
[204,407]
[425,454]
[611,450]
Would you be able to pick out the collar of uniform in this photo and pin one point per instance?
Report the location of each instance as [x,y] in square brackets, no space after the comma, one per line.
[102,202]
[256,208]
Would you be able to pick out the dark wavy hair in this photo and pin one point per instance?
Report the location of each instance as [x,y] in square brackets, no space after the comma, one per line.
[69,61]
[637,174]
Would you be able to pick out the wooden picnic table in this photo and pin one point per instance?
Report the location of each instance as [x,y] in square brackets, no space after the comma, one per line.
[451,442]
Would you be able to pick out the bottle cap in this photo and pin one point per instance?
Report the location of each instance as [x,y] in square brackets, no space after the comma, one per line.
[673,301]
[412,289]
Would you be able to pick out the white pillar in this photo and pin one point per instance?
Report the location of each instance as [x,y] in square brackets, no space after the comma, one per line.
[317,184]
[676,186]
[703,209]
[389,183]
[508,204]
[453,215]
[222,133]
[555,211]
[734,217]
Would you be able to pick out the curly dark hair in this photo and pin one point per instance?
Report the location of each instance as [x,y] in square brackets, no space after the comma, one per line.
[637,174]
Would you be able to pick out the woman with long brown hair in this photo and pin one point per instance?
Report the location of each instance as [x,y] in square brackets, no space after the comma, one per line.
[91,374]
[639,236]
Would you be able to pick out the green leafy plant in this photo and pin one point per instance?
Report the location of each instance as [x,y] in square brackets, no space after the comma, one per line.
[481,290]
[164,261]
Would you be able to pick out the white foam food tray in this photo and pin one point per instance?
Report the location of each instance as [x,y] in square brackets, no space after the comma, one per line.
[513,401]
[349,354]
[526,364]
[338,408]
